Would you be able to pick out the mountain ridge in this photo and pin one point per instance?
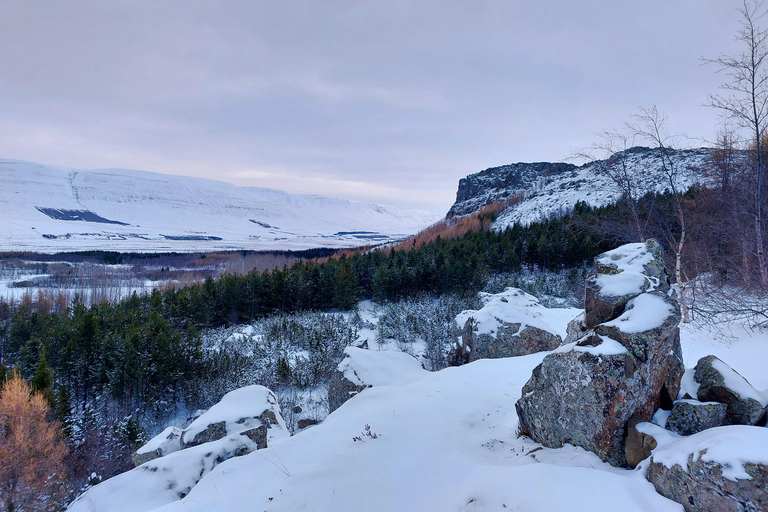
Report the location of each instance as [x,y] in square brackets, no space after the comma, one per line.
[53,208]
[549,189]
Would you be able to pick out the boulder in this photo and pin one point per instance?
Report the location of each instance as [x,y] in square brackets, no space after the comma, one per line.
[512,323]
[638,445]
[619,276]
[361,369]
[718,382]
[691,416]
[307,422]
[616,375]
[167,441]
[251,410]
[722,469]
[576,329]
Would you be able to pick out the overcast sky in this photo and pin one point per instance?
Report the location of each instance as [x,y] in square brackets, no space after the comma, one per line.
[390,102]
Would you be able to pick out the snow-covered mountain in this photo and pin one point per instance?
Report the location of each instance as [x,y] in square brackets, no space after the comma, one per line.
[549,189]
[48,208]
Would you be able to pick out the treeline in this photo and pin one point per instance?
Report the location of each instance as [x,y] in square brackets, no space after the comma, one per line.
[145,350]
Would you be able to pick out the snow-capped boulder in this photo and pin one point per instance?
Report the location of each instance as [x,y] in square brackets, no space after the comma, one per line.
[363,368]
[723,469]
[512,323]
[718,382]
[622,274]
[588,393]
[162,480]
[691,416]
[167,441]
[252,409]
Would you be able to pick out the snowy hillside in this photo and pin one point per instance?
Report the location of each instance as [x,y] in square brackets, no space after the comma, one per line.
[442,440]
[560,193]
[550,189]
[46,208]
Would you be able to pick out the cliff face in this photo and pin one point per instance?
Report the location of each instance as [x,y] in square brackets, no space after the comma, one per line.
[552,189]
[499,183]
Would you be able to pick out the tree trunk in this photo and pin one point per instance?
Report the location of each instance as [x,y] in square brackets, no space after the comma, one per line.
[760,252]
[679,275]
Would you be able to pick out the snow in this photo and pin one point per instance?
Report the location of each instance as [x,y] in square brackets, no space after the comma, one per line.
[157,212]
[446,441]
[688,385]
[167,441]
[743,349]
[369,368]
[731,446]
[630,278]
[738,384]
[643,313]
[516,306]
[239,410]
[159,481]
[558,194]
[609,347]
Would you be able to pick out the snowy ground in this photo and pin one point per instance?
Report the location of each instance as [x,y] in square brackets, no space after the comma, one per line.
[53,209]
[447,441]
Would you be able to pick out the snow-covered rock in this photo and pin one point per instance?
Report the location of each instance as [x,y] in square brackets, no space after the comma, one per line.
[719,469]
[718,382]
[511,323]
[588,393]
[620,275]
[162,480]
[167,441]
[547,194]
[251,409]
[363,368]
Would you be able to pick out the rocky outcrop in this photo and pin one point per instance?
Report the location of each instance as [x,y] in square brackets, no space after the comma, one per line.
[723,469]
[619,276]
[718,382]
[341,389]
[242,422]
[510,324]
[361,369]
[691,416]
[463,351]
[512,341]
[167,441]
[619,373]
[250,410]
[501,183]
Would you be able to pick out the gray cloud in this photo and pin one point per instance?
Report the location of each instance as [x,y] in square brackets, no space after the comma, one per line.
[385,101]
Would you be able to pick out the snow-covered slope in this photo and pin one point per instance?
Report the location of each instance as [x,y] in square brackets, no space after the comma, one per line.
[46,208]
[438,441]
[551,189]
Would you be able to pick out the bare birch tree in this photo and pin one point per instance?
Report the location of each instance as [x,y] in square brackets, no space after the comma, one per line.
[650,125]
[745,100]
[609,156]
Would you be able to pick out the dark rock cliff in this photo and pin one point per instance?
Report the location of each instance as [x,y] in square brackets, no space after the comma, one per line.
[499,183]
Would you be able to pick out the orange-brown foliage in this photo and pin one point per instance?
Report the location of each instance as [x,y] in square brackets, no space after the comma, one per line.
[32,450]
[456,227]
